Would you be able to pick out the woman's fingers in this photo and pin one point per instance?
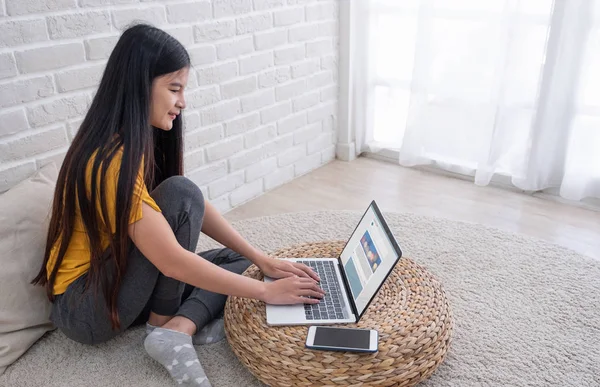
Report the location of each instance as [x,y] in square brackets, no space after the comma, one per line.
[310,284]
[305,300]
[297,271]
[301,290]
[311,293]
[308,281]
[308,272]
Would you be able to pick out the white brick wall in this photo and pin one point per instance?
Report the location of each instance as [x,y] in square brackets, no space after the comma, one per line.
[262,96]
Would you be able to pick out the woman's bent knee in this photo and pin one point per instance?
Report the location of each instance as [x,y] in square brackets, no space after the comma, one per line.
[181,187]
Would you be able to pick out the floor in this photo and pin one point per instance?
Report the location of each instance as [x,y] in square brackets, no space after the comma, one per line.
[352,185]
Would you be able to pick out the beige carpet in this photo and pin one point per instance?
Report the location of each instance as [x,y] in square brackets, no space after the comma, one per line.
[526,312]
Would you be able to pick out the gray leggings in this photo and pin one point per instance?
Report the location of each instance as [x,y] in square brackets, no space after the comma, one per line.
[81,314]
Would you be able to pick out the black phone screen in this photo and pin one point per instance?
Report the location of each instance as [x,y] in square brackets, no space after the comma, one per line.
[342,337]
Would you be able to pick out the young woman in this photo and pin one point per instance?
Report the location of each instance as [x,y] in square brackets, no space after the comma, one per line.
[125,222]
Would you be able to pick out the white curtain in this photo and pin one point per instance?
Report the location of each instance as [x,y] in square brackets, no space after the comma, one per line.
[488,88]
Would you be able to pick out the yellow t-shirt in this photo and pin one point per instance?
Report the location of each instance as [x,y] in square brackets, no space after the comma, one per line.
[77,257]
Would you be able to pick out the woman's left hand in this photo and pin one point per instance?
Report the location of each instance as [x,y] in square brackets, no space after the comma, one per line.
[277,268]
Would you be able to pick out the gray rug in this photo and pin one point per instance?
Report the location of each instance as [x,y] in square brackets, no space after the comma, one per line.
[526,311]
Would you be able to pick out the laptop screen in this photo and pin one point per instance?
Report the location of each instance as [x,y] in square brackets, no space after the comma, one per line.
[367,259]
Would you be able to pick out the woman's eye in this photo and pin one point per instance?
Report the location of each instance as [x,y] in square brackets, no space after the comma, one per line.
[175,91]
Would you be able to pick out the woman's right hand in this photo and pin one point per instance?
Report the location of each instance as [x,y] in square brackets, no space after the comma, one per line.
[293,290]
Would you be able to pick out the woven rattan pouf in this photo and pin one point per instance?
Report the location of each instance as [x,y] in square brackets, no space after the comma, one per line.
[410,313]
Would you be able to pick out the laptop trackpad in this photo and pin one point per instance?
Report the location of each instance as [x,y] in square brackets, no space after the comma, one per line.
[285,314]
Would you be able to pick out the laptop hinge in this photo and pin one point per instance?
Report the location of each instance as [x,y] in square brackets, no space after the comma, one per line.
[348,290]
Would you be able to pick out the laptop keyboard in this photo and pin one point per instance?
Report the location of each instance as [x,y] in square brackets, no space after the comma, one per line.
[330,306]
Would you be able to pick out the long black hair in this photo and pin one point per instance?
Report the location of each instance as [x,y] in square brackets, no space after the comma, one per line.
[118,118]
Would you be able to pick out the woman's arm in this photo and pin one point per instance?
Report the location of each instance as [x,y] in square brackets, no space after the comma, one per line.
[153,236]
[216,226]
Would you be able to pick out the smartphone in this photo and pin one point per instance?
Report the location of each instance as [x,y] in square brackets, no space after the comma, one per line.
[342,339]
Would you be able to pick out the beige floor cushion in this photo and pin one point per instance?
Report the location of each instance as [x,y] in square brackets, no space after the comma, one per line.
[24,308]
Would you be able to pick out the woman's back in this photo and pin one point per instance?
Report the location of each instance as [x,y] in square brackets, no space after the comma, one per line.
[76,261]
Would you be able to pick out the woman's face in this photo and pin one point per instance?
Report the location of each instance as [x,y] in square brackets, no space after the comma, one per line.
[167,98]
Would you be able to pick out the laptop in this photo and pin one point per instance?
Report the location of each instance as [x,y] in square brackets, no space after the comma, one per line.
[350,281]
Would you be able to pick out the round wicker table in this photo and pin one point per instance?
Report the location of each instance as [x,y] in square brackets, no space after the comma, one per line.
[410,312]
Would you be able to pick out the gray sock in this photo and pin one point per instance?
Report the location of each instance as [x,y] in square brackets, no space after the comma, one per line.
[212,332]
[149,328]
[174,350]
